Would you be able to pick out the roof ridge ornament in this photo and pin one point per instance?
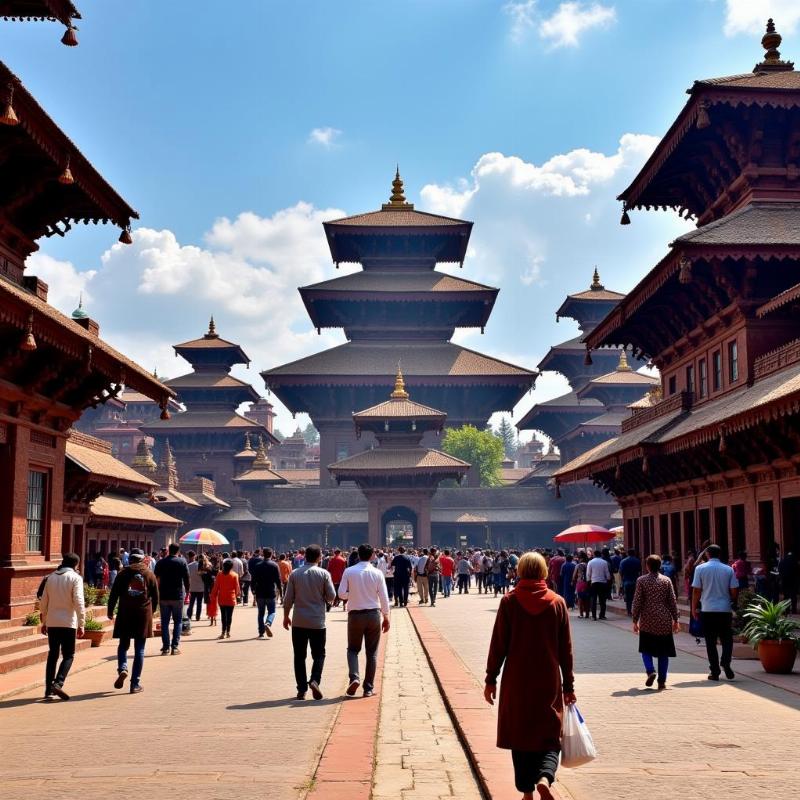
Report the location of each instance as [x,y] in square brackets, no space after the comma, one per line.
[79,313]
[261,459]
[397,200]
[596,285]
[772,62]
[623,365]
[399,392]
[212,330]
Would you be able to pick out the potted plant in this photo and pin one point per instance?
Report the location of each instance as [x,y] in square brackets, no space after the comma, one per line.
[772,634]
[741,647]
[34,618]
[94,630]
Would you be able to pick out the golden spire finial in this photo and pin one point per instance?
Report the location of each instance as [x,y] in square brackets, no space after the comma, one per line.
[596,280]
[212,329]
[143,459]
[399,392]
[623,365]
[261,459]
[397,200]
[247,444]
[772,58]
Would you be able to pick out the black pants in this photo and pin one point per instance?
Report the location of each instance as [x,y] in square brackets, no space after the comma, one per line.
[433,587]
[195,598]
[401,590]
[363,627]
[390,586]
[226,617]
[629,589]
[598,592]
[717,625]
[62,643]
[531,767]
[463,584]
[245,592]
[301,639]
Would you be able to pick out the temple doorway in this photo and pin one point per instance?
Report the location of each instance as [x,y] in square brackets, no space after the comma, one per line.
[399,526]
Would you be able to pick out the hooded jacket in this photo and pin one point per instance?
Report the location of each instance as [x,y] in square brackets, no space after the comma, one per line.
[62,604]
[136,590]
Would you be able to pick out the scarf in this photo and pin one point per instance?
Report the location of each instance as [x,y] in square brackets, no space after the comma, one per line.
[534,596]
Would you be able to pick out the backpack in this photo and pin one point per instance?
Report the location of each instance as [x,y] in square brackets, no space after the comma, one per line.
[137,587]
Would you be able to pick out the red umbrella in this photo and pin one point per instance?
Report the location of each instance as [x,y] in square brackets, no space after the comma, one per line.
[584,533]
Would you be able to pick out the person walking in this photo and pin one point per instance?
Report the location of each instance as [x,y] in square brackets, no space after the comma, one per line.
[616,560]
[63,615]
[688,572]
[630,568]
[788,574]
[715,589]
[136,592]
[598,574]
[336,566]
[655,619]
[742,570]
[173,583]
[447,564]
[363,585]
[567,586]
[554,570]
[464,569]
[226,593]
[532,644]
[309,591]
[401,564]
[196,586]
[285,568]
[433,569]
[266,583]
[582,585]
[421,578]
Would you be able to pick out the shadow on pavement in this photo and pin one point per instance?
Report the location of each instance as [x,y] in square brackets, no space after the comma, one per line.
[284,702]
[74,698]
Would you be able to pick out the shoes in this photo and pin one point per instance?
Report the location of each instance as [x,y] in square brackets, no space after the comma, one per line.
[368,692]
[260,635]
[165,651]
[137,689]
[729,673]
[353,688]
[544,790]
[176,651]
[603,617]
[651,679]
[661,686]
[59,692]
[713,676]
[301,695]
[228,635]
[120,681]
[315,690]
[221,636]
[269,631]
[49,696]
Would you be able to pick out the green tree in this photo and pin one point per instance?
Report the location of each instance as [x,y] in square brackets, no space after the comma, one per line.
[482,449]
[507,434]
[277,434]
[310,434]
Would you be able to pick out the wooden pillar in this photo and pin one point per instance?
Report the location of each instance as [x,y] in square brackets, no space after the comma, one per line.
[424,523]
[375,529]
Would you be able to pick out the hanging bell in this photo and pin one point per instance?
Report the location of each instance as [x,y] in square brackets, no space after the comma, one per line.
[587,359]
[9,116]
[703,120]
[626,220]
[28,340]
[125,237]
[164,412]
[70,38]
[66,178]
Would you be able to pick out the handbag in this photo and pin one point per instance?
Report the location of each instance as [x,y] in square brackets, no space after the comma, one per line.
[581,587]
[577,746]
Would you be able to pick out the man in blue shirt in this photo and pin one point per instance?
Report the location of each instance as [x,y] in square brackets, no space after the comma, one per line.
[630,568]
[715,588]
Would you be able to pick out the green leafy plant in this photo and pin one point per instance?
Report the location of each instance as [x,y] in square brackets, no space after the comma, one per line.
[34,618]
[767,621]
[482,449]
[743,602]
[91,624]
[89,595]
[102,598]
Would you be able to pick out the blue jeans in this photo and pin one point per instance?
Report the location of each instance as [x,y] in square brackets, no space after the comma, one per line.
[447,585]
[663,666]
[171,610]
[265,604]
[138,657]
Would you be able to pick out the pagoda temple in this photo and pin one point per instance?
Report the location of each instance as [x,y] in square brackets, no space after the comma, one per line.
[207,436]
[52,367]
[397,309]
[602,386]
[717,458]
[400,476]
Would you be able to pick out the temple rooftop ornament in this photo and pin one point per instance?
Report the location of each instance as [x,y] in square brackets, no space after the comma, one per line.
[399,392]
[79,313]
[596,285]
[772,62]
[212,330]
[397,201]
[623,363]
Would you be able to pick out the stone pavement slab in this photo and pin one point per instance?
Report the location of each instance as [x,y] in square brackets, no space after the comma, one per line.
[220,721]
[697,739]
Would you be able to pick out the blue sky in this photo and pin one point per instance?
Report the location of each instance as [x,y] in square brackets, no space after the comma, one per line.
[236,128]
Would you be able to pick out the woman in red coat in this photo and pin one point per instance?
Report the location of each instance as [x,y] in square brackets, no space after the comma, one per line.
[531,643]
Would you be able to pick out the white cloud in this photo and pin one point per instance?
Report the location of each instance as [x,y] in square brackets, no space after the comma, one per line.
[325,137]
[571,20]
[564,27]
[159,291]
[750,16]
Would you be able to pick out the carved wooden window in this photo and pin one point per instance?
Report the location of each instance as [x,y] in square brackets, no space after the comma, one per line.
[690,378]
[37,500]
[733,361]
[703,369]
[717,367]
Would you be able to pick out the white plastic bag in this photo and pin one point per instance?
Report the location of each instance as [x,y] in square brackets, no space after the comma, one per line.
[577,746]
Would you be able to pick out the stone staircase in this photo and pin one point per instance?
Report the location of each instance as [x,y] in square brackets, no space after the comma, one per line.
[23,645]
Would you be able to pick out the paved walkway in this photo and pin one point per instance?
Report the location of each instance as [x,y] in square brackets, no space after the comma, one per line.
[698,739]
[419,756]
[219,722]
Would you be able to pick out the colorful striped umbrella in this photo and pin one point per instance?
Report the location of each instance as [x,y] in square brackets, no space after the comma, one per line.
[203,536]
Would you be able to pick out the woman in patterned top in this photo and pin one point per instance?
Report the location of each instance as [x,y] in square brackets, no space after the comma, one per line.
[655,619]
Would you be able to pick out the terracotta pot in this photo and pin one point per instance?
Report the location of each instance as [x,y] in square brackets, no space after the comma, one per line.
[777,657]
[96,637]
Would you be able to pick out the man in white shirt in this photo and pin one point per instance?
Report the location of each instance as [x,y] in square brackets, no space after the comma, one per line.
[63,617]
[598,575]
[364,588]
[420,578]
